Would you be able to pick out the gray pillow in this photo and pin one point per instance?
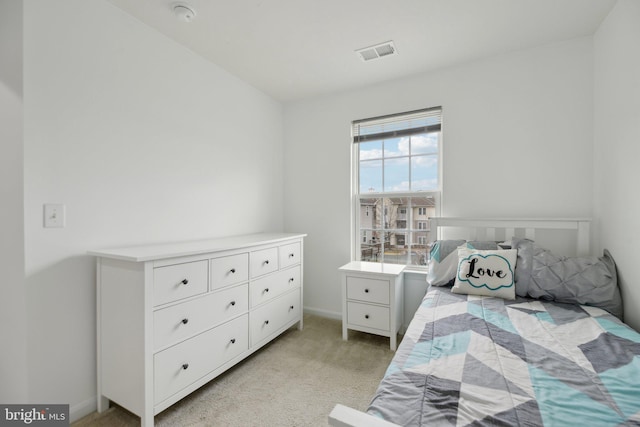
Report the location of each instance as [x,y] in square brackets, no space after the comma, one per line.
[579,280]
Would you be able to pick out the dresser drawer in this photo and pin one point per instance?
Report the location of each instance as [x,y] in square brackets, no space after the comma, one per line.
[180,321]
[270,287]
[289,255]
[368,290]
[229,270]
[371,316]
[270,317]
[175,282]
[178,366]
[263,261]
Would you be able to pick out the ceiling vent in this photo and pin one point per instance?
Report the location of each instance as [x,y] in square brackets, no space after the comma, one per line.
[378,51]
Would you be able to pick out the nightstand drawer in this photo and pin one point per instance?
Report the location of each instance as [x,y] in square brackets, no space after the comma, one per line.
[175,282]
[370,316]
[368,290]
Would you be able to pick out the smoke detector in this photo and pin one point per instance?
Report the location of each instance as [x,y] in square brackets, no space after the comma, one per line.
[378,51]
[184,12]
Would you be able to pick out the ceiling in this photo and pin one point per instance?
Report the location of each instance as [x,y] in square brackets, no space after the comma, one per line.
[295,49]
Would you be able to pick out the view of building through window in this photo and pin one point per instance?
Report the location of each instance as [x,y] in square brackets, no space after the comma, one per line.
[394,229]
[397,170]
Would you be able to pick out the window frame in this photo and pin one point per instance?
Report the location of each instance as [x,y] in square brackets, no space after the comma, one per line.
[411,222]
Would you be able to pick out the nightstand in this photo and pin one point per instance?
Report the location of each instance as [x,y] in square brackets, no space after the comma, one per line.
[372,299]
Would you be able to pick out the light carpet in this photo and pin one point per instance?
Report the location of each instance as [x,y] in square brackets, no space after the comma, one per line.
[294,381]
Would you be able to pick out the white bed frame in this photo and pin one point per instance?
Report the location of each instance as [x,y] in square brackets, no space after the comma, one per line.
[506,228]
[477,229]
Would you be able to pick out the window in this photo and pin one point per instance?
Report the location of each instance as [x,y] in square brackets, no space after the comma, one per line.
[396,185]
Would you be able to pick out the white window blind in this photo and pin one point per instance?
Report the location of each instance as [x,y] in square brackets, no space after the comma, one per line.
[398,125]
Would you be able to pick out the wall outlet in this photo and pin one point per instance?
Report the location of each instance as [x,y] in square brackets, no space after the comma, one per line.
[54,215]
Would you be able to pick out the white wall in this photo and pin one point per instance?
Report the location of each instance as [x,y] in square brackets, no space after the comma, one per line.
[617,145]
[13,319]
[143,141]
[517,142]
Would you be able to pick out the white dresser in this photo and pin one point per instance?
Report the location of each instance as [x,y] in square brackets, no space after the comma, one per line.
[172,317]
[372,299]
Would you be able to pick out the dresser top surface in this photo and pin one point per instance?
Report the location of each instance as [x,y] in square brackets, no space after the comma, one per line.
[194,247]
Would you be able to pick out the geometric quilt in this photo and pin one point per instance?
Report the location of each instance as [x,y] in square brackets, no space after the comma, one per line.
[480,361]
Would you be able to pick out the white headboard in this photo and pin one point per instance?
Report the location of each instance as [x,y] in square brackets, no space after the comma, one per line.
[506,228]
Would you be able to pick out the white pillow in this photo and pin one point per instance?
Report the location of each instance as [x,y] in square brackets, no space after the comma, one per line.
[489,273]
[443,259]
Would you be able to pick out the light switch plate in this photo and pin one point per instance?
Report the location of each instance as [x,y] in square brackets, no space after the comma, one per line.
[54,215]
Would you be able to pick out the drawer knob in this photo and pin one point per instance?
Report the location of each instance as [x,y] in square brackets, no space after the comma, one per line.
[366,316]
[185,366]
[185,321]
[233,340]
[291,307]
[233,270]
[291,255]
[266,262]
[266,322]
[266,289]
[232,303]
[366,291]
[291,280]
[184,281]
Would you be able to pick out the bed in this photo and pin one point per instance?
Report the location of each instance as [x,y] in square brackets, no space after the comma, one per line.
[552,351]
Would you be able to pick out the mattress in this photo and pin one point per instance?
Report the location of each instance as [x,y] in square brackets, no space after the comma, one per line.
[473,361]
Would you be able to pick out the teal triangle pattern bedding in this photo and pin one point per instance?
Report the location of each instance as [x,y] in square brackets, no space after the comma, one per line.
[480,361]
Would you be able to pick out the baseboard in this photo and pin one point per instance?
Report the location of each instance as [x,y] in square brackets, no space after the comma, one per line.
[323,313]
[82,409]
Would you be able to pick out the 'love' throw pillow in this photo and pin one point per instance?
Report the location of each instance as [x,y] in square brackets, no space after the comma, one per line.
[490,273]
